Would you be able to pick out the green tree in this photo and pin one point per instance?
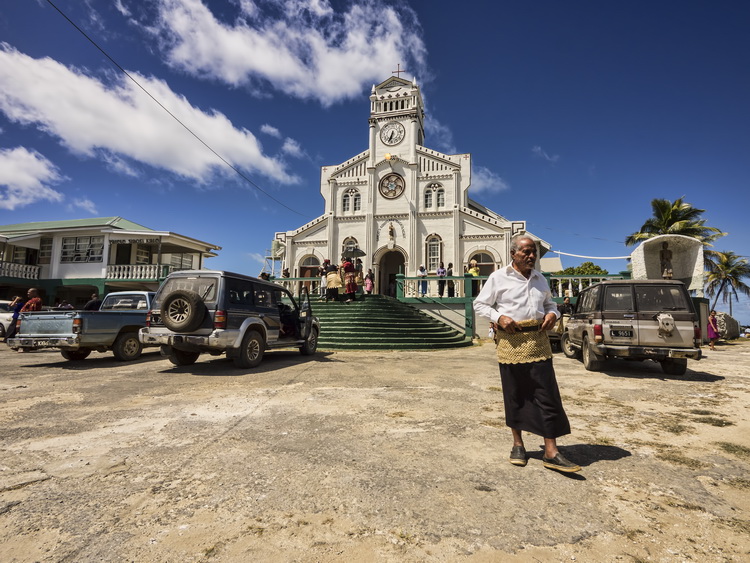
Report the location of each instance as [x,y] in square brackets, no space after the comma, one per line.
[725,275]
[675,218]
[585,269]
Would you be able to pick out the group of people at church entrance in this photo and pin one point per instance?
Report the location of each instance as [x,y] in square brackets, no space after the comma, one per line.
[348,275]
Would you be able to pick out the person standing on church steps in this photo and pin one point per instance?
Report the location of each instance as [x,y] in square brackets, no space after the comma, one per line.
[518,302]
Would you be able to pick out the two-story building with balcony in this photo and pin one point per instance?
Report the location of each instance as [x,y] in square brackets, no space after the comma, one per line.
[70,260]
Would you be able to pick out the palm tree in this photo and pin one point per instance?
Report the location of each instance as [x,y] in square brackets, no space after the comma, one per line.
[675,218]
[725,274]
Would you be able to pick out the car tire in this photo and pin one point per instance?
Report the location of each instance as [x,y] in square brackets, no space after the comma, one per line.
[76,355]
[183,358]
[311,343]
[127,347]
[674,366]
[567,347]
[251,350]
[183,311]
[591,360]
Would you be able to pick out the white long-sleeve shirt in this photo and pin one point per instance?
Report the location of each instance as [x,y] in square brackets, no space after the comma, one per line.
[507,292]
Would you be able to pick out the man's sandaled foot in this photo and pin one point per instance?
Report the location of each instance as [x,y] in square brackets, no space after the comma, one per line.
[518,456]
[560,464]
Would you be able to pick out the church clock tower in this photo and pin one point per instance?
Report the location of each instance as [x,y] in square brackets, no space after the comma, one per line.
[396,119]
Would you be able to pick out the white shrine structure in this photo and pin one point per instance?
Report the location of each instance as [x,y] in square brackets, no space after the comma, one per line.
[400,203]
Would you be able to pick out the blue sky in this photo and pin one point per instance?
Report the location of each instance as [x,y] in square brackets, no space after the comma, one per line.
[577,114]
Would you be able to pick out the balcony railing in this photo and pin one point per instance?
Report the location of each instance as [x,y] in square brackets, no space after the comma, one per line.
[138,271]
[23,271]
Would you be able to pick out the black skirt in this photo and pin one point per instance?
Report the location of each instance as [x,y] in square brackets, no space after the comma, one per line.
[532,399]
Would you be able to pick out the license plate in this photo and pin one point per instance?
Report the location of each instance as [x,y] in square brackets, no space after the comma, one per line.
[42,343]
[621,333]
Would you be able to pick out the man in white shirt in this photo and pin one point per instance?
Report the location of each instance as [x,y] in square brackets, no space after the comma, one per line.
[518,302]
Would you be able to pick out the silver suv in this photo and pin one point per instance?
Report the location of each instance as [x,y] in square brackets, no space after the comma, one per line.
[209,311]
[634,320]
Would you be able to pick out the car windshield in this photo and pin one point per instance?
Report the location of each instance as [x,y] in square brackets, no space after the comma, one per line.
[661,298]
[203,286]
[124,302]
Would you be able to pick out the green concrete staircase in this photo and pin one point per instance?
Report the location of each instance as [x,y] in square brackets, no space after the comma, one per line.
[377,322]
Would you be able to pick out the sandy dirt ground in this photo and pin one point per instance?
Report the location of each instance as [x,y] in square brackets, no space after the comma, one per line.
[367,456]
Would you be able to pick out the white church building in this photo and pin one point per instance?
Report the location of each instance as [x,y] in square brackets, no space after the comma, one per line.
[401,203]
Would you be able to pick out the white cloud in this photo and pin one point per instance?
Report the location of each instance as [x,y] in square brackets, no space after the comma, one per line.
[120,7]
[539,151]
[256,257]
[270,130]
[438,135]
[292,148]
[484,180]
[84,203]
[25,178]
[91,118]
[303,48]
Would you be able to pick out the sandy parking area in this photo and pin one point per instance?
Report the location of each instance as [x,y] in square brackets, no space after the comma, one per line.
[377,456]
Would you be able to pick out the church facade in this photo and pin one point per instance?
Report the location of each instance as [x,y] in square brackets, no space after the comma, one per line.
[401,203]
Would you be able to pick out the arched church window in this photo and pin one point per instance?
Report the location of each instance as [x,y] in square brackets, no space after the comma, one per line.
[434,193]
[311,261]
[351,200]
[350,243]
[345,202]
[434,252]
[485,262]
[357,202]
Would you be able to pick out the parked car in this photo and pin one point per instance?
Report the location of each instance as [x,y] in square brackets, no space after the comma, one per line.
[215,312]
[634,320]
[76,333]
[6,317]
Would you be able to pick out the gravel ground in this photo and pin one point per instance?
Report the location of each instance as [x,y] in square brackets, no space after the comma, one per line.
[366,456]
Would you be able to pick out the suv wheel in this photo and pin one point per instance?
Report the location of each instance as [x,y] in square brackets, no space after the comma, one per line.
[183,358]
[251,350]
[591,360]
[674,366]
[567,348]
[311,344]
[127,347]
[183,311]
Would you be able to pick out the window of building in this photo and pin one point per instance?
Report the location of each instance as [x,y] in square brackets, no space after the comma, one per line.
[485,262]
[82,249]
[181,261]
[349,244]
[351,200]
[143,255]
[19,255]
[434,252]
[45,250]
[434,194]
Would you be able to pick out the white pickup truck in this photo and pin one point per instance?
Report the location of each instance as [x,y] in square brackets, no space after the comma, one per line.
[76,333]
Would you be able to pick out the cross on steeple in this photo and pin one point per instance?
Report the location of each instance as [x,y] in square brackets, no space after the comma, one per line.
[398,71]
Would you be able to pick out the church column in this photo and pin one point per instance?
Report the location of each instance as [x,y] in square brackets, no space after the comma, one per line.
[414,137]
[372,146]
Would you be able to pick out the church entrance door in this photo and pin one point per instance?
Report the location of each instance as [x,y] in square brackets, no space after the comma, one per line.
[391,263]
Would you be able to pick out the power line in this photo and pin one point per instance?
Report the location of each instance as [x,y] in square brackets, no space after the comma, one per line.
[125,72]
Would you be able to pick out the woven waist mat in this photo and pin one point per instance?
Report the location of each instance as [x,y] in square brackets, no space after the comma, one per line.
[522,347]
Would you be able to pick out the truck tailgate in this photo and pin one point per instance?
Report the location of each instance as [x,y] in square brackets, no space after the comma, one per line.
[46,324]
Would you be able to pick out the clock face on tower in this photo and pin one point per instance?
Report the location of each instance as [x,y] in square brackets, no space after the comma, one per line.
[392,186]
[392,133]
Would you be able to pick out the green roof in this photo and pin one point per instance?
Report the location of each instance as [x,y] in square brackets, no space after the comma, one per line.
[113,222]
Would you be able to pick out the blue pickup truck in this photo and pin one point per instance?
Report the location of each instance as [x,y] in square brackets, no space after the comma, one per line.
[77,333]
